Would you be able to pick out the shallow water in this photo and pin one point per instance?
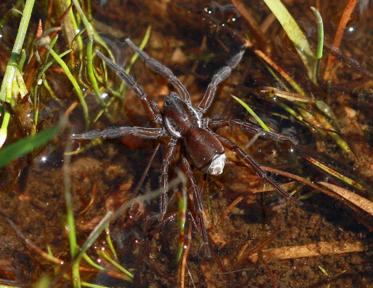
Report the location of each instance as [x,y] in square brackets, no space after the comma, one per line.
[194,39]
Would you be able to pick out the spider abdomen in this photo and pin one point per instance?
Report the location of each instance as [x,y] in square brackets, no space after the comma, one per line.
[205,150]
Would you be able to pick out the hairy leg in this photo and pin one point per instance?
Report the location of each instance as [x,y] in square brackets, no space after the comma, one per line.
[251,128]
[150,107]
[116,132]
[197,201]
[169,153]
[222,74]
[161,69]
[249,161]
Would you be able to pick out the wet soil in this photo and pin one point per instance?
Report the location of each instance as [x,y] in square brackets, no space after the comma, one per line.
[241,220]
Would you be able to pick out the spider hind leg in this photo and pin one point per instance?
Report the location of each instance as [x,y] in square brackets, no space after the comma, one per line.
[168,155]
[197,203]
[250,162]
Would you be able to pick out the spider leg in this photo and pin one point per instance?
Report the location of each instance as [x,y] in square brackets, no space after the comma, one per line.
[249,161]
[198,201]
[161,69]
[251,128]
[170,151]
[222,74]
[116,132]
[150,107]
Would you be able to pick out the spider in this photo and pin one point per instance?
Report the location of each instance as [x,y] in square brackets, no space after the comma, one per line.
[182,123]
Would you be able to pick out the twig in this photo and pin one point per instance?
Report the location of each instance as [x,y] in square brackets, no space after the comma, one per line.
[250,19]
[360,202]
[309,250]
[330,66]
[183,264]
[330,192]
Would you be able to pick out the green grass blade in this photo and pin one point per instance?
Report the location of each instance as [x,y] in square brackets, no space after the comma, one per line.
[116,264]
[91,285]
[28,144]
[253,114]
[110,243]
[334,173]
[320,33]
[43,282]
[90,261]
[294,33]
[11,69]
[4,127]
[70,220]
[320,41]
[74,82]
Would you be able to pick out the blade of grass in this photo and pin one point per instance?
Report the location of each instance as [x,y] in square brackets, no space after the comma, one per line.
[294,33]
[253,114]
[70,26]
[92,263]
[290,96]
[320,42]
[28,144]
[280,71]
[110,243]
[43,282]
[4,127]
[333,172]
[86,284]
[352,200]
[111,216]
[362,203]
[182,211]
[89,49]
[113,262]
[12,67]
[74,82]
[70,220]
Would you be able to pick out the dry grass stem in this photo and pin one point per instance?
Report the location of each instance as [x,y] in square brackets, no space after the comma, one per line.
[309,250]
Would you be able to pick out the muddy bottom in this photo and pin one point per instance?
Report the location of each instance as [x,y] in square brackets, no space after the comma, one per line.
[253,236]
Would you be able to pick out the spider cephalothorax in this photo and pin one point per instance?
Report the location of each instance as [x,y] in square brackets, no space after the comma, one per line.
[184,122]
[181,123]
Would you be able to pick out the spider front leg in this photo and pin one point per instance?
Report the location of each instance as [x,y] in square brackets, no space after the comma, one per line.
[222,74]
[116,132]
[249,161]
[161,69]
[170,151]
[150,107]
[251,128]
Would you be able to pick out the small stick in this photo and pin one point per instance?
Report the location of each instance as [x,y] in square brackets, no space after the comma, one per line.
[309,250]
[330,66]
[252,24]
[353,198]
[183,263]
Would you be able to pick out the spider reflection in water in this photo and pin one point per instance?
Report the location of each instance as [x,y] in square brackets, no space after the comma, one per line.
[181,123]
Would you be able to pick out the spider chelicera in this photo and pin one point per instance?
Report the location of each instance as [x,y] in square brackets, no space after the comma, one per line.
[181,123]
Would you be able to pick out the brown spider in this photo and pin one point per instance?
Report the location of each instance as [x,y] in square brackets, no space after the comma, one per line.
[181,123]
